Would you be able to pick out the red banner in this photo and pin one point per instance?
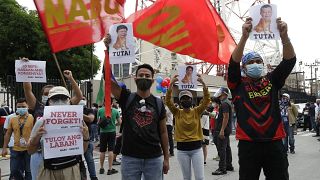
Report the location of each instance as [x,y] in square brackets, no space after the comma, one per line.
[72,23]
[186,27]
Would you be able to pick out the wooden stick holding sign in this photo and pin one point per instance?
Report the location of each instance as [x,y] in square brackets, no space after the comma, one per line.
[58,66]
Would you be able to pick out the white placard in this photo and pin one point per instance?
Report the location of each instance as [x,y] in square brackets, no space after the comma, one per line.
[187,76]
[122,46]
[264,22]
[64,136]
[30,71]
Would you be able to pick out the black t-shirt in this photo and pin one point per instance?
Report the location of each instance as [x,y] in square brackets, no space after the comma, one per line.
[38,110]
[256,102]
[141,126]
[312,110]
[225,107]
[95,112]
[87,111]
[4,111]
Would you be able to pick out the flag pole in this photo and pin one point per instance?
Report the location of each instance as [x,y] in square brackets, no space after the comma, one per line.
[57,63]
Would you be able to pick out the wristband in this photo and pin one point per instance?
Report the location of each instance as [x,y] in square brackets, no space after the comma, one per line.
[86,140]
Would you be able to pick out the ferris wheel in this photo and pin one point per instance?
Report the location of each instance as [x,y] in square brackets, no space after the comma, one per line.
[234,13]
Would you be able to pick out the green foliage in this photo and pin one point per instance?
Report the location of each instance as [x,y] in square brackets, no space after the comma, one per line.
[21,35]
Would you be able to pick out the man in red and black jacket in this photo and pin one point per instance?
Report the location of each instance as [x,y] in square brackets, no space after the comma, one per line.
[255,97]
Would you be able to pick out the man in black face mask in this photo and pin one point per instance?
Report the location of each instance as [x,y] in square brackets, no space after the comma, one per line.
[144,134]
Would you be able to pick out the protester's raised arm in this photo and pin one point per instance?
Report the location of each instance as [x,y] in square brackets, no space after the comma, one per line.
[31,99]
[288,50]
[168,99]
[78,94]
[238,51]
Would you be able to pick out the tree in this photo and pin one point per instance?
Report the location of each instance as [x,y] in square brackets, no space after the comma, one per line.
[21,35]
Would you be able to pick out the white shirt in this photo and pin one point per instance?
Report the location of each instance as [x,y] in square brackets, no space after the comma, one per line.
[205,122]
[317,109]
[5,126]
[169,117]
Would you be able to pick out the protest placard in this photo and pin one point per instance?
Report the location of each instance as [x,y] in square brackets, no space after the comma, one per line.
[64,136]
[187,76]
[122,46]
[30,71]
[264,22]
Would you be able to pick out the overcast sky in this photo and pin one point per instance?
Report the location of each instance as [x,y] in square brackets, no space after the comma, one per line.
[300,16]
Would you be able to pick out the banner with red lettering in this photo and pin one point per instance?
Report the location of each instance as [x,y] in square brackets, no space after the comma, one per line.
[72,23]
[190,28]
[64,136]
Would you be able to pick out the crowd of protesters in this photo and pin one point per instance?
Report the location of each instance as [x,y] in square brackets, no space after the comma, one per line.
[149,126]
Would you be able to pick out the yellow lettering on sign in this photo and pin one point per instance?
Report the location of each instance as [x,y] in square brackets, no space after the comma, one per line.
[95,8]
[74,12]
[109,10]
[54,13]
[143,26]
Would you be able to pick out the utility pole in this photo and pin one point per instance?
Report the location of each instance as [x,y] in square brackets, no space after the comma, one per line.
[311,79]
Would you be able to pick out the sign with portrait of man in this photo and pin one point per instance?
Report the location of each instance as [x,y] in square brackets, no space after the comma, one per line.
[122,46]
[187,76]
[264,22]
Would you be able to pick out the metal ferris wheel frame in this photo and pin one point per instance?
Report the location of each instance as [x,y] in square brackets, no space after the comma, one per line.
[234,13]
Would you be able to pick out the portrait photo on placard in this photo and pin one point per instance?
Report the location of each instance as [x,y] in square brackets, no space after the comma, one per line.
[264,22]
[122,46]
[187,76]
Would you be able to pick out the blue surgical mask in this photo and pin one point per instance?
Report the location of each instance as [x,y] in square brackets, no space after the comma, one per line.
[22,111]
[254,70]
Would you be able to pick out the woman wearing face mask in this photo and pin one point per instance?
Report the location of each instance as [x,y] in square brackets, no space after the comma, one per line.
[188,131]
[63,167]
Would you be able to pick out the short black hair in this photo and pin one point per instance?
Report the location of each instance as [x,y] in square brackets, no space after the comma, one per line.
[95,105]
[122,27]
[45,87]
[266,6]
[147,66]
[21,100]
[189,67]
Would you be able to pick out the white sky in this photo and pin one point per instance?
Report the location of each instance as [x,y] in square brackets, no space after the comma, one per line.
[299,15]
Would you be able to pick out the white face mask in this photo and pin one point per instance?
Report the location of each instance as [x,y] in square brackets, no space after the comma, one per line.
[83,102]
[44,99]
[59,102]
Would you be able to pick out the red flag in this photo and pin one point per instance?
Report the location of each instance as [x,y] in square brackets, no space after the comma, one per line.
[187,27]
[72,23]
[107,85]
[226,41]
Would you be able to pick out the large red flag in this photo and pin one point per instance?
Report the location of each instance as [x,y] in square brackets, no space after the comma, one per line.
[226,41]
[72,23]
[189,27]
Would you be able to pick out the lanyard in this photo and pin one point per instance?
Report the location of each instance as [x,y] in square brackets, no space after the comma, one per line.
[22,124]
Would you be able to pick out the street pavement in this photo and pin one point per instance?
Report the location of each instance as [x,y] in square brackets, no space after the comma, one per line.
[302,165]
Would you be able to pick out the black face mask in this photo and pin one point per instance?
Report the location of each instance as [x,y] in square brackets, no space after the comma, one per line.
[143,84]
[186,104]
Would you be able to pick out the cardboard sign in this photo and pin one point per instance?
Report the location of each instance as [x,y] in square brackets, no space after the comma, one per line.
[264,24]
[64,136]
[30,71]
[187,76]
[122,46]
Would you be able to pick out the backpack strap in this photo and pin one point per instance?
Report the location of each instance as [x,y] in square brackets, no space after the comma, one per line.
[130,99]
